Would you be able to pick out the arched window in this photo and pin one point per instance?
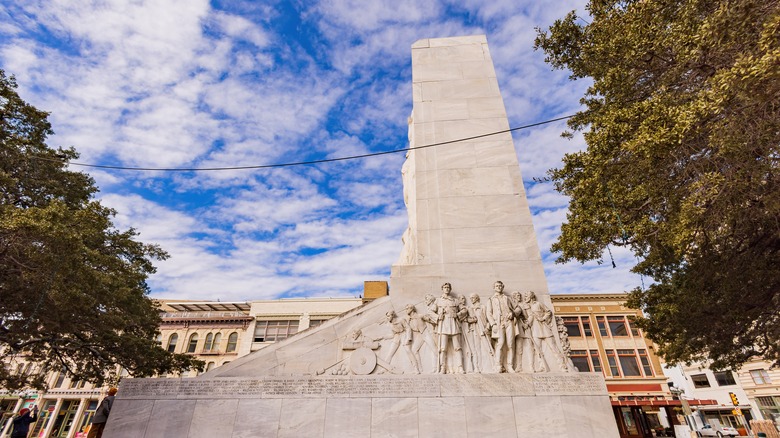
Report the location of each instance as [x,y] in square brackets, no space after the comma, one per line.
[209,342]
[193,343]
[172,342]
[217,341]
[210,366]
[232,342]
[158,339]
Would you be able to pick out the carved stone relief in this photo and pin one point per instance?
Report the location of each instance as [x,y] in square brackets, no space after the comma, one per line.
[449,334]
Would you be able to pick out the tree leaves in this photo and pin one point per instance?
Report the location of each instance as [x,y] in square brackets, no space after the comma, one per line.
[73,295]
[683,130]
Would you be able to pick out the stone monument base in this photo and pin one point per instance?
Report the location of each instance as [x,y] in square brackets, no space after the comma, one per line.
[470,405]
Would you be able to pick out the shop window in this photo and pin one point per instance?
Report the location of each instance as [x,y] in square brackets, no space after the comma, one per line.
[232,342]
[770,408]
[269,331]
[602,326]
[217,341]
[725,378]
[209,342]
[628,363]
[760,377]
[193,344]
[572,324]
[580,360]
[617,325]
[700,381]
[645,363]
[613,367]
[595,360]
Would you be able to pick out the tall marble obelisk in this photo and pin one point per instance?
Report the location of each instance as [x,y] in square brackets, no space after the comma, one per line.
[469,221]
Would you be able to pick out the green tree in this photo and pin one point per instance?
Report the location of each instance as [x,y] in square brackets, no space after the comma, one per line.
[682,125]
[73,295]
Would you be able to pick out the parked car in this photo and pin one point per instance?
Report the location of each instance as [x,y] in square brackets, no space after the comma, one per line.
[718,430]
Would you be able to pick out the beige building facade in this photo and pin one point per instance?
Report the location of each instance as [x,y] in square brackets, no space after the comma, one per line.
[604,339]
[761,383]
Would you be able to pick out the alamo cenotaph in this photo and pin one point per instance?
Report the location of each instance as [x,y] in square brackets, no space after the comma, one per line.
[465,344]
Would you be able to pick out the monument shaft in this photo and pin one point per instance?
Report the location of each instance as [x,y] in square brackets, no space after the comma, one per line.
[469,220]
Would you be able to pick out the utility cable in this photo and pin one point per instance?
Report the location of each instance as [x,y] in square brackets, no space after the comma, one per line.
[303,163]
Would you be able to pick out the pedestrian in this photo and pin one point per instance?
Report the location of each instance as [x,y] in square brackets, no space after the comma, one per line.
[101,415]
[22,422]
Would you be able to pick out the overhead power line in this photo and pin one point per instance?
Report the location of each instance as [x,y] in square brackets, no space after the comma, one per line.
[303,163]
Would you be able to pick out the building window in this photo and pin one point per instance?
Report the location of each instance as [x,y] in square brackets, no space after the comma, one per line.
[760,377]
[595,361]
[210,366]
[700,381]
[209,342]
[572,324]
[628,363]
[632,326]
[617,325]
[269,331]
[645,363]
[580,360]
[770,408]
[59,380]
[316,322]
[193,344]
[172,342]
[158,339]
[217,341]
[586,330]
[232,342]
[602,326]
[613,367]
[725,378]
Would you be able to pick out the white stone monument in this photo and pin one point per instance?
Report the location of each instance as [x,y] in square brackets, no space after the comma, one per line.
[466,343]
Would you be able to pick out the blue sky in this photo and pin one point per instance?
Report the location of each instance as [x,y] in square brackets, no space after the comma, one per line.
[192,83]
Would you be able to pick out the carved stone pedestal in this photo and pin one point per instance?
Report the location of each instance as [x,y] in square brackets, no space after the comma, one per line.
[473,405]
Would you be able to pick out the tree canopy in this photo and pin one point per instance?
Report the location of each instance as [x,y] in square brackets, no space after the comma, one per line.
[73,295]
[682,125]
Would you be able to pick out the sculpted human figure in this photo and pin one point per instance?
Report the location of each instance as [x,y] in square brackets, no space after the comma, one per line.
[431,316]
[463,319]
[479,331]
[521,336]
[356,340]
[448,329]
[421,332]
[540,325]
[501,315]
[401,335]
